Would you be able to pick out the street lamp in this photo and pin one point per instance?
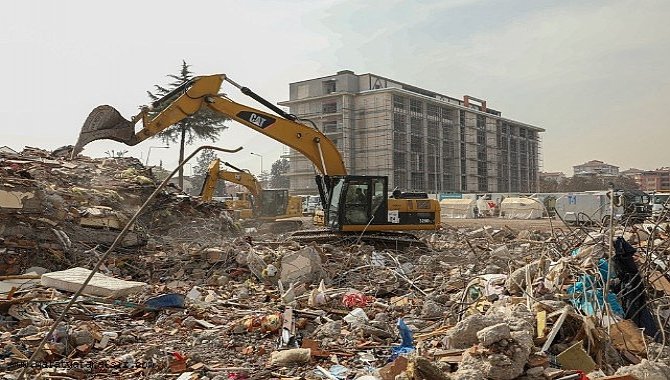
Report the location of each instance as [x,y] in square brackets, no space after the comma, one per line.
[256,154]
[149,152]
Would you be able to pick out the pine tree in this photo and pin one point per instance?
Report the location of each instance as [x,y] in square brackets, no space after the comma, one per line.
[204,125]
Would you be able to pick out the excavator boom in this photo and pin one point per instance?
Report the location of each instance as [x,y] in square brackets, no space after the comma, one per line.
[214,174]
[105,122]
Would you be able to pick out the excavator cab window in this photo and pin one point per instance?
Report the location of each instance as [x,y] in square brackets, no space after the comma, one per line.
[273,202]
[358,200]
[357,203]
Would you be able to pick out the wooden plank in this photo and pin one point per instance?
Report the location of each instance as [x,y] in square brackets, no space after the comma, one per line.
[627,336]
[555,329]
[541,323]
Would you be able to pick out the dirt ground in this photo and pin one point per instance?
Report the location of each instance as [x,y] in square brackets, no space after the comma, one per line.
[544,224]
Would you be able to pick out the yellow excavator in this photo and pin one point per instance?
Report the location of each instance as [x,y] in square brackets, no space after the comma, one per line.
[355,206]
[268,206]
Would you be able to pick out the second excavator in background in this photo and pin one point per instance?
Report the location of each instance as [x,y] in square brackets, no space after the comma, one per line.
[273,207]
[355,206]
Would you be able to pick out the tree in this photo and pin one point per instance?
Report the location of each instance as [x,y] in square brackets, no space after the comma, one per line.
[596,182]
[548,185]
[278,178]
[200,172]
[204,125]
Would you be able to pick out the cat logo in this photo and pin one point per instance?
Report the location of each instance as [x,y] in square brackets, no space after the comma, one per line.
[238,177]
[258,120]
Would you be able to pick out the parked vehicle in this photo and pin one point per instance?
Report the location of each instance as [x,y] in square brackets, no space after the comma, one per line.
[309,204]
[630,206]
[659,203]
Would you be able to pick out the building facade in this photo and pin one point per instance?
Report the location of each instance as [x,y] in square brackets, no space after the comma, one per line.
[595,167]
[650,180]
[421,140]
[557,177]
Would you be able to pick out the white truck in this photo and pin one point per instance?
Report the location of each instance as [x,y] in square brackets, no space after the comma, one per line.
[594,206]
[586,207]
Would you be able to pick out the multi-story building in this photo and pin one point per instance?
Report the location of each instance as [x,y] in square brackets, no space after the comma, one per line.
[420,139]
[557,177]
[650,180]
[595,167]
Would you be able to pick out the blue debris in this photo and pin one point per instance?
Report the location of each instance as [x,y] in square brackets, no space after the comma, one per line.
[165,301]
[406,344]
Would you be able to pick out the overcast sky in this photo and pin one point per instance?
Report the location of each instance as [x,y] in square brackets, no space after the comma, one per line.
[594,74]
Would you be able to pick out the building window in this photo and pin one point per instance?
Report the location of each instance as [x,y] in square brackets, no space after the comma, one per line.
[400,179]
[416,126]
[433,129]
[481,137]
[399,121]
[416,143]
[330,107]
[522,132]
[417,181]
[481,122]
[329,87]
[398,103]
[399,142]
[433,111]
[331,127]
[415,107]
[303,91]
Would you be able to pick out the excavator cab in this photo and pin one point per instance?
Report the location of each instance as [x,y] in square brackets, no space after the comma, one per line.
[361,203]
[274,203]
[358,200]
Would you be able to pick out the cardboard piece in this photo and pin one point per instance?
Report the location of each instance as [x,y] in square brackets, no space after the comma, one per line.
[576,358]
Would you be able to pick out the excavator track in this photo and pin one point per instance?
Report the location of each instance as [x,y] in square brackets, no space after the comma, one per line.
[387,240]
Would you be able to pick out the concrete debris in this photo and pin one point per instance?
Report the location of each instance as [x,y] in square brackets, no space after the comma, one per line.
[646,370]
[100,285]
[488,299]
[302,266]
[494,334]
[293,356]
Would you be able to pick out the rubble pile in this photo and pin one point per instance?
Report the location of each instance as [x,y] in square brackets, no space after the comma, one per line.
[53,209]
[193,302]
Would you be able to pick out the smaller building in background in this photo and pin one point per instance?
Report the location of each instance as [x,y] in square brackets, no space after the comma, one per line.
[557,177]
[650,180]
[595,167]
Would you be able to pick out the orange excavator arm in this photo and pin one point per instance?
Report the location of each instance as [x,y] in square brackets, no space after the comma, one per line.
[214,174]
[105,122]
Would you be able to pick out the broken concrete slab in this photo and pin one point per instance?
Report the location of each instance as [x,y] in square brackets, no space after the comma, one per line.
[493,334]
[301,266]
[70,280]
[646,370]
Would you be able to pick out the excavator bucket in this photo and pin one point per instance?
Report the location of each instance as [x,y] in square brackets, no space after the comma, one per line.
[105,122]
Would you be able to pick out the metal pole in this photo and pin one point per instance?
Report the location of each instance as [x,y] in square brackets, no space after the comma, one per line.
[256,154]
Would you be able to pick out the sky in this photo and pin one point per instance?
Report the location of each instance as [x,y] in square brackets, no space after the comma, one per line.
[593,74]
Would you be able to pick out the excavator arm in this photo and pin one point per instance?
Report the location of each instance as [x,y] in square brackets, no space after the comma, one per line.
[105,122]
[214,174]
